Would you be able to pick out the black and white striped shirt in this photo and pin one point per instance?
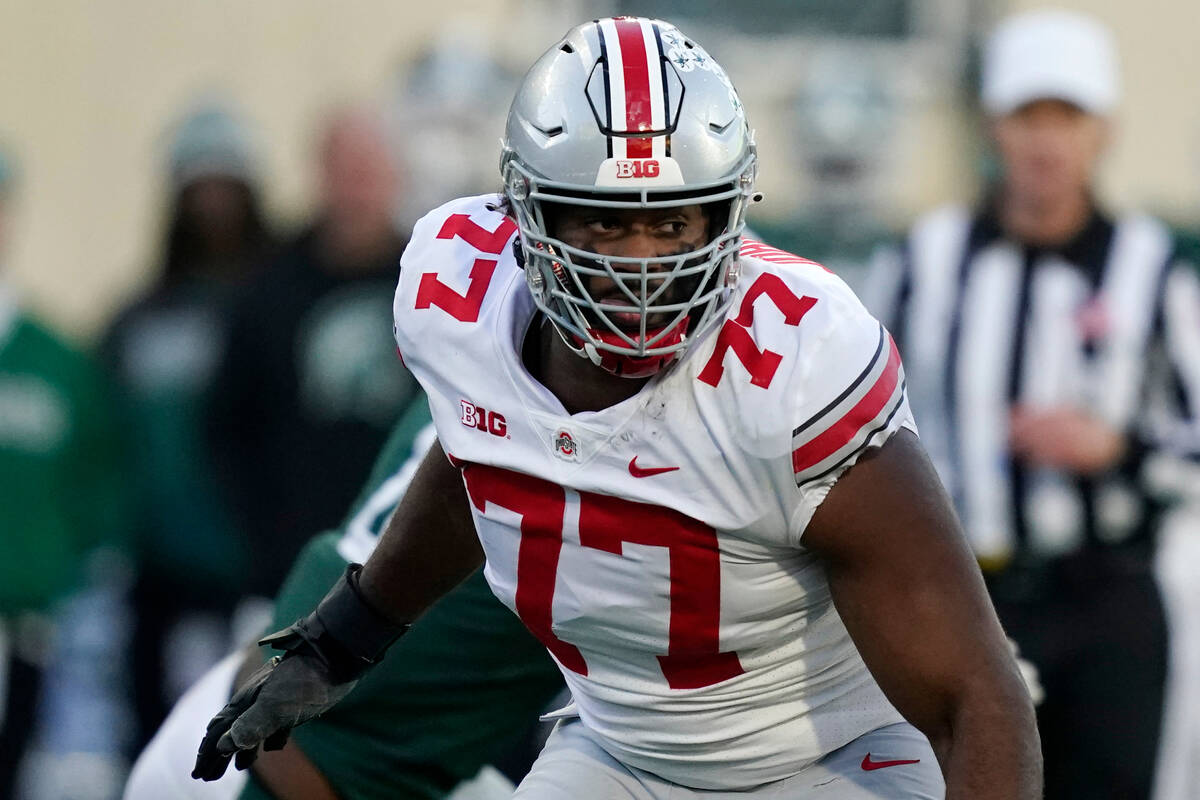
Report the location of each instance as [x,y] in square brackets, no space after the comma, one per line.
[1108,323]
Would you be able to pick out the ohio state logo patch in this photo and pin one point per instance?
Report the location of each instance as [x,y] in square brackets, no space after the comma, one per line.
[565,445]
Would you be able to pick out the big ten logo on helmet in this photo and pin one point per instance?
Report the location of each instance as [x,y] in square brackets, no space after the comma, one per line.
[641,168]
[480,418]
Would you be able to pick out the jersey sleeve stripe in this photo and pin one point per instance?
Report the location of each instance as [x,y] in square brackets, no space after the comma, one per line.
[864,412]
[857,382]
[897,404]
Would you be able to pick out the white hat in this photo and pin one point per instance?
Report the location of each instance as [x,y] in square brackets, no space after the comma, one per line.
[1050,55]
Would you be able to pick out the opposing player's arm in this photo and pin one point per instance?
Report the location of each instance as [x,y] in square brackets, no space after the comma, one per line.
[913,600]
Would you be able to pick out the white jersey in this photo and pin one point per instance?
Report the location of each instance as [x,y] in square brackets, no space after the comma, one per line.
[656,546]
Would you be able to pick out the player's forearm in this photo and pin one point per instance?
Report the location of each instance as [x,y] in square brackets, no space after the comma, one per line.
[990,747]
[428,547]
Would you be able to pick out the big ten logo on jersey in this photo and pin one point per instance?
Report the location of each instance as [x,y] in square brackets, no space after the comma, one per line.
[640,168]
[481,419]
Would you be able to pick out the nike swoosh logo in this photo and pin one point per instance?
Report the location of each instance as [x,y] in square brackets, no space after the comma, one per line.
[646,472]
[869,765]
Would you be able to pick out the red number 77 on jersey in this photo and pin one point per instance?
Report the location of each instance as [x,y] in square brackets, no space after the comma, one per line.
[735,334]
[607,523]
[465,308]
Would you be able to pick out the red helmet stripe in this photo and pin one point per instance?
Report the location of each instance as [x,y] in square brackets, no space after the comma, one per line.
[635,67]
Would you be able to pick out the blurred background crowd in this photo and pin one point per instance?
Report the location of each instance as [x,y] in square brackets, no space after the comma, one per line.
[202,208]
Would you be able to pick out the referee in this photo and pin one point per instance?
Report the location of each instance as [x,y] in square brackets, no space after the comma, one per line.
[1053,358]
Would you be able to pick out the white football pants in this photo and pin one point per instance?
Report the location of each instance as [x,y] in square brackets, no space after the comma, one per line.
[573,765]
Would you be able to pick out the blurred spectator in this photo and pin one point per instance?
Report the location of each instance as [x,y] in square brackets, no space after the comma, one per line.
[1051,353]
[311,384]
[841,124]
[61,498]
[163,350]
[452,99]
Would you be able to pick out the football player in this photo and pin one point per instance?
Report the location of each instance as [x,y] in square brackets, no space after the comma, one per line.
[688,465]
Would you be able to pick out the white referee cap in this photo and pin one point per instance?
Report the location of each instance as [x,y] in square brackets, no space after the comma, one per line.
[1050,54]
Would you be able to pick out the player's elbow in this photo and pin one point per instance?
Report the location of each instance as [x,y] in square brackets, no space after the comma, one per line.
[991,719]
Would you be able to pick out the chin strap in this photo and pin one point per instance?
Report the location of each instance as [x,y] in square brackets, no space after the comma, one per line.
[629,366]
[624,366]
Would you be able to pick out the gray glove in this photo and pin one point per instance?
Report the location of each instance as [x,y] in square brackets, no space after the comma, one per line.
[283,693]
[325,653]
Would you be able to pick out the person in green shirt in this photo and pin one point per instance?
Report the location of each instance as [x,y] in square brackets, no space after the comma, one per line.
[61,495]
[162,351]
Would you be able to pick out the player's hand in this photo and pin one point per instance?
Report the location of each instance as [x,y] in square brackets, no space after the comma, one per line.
[324,655]
[285,692]
[1065,438]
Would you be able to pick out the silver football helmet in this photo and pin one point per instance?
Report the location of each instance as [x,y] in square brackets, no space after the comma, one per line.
[628,113]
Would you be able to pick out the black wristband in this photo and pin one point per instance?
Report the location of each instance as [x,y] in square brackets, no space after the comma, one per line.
[344,631]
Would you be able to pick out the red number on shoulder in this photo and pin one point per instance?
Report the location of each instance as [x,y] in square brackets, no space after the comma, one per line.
[465,307]
[694,658]
[793,308]
[735,333]
[476,235]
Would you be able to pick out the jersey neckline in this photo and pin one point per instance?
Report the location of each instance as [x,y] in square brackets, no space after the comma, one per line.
[518,316]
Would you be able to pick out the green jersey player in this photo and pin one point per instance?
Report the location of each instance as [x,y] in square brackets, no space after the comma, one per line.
[461,696]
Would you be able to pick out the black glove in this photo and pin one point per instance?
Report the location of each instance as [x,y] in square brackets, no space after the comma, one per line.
[324,655]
